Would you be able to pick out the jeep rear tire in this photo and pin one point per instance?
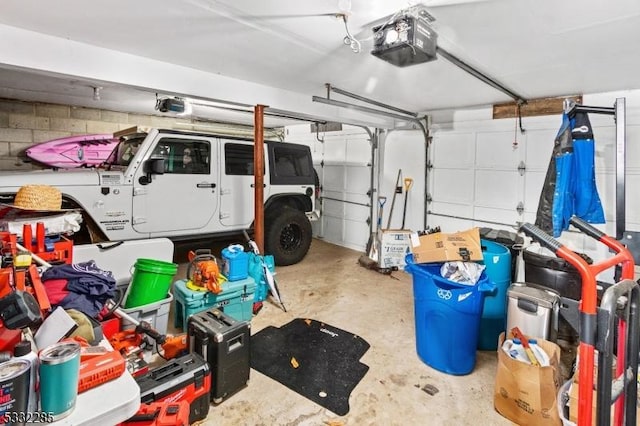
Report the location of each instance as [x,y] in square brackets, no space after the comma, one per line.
[287,236]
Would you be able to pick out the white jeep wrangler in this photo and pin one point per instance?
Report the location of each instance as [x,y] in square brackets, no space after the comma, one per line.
[186,185]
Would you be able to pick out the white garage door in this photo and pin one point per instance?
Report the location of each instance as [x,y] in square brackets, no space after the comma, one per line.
[342,161]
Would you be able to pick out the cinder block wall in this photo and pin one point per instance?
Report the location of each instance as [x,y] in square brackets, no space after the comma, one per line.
[23,124]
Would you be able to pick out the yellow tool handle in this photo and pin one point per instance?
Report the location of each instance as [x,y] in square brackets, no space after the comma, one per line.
[531,356]
[408,183]
[525,344]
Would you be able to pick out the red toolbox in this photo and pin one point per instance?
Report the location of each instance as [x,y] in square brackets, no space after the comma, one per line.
[187,378]
[225,343]
[165,413]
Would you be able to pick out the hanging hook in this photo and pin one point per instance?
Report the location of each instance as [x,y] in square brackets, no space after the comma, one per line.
[522,130]
[318,133]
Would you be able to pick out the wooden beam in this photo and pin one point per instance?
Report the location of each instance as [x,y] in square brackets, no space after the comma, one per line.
[533,107]
[258,168]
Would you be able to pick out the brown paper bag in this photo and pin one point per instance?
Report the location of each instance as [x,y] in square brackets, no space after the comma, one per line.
[524,393]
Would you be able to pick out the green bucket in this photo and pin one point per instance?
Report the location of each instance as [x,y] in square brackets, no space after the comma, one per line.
[150,282]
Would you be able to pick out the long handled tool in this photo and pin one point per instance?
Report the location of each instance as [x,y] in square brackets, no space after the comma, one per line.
[373,254]
[408,183]
[396,190]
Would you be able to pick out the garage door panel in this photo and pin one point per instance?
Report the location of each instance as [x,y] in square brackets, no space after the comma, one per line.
[495,150]
[331,207]
[538,153]
[633,200]
[497,188]
[452,209]
[529,217]
[356,213]
[334,177]
[453,185]
[497,215]
[354,231]
[334,150]
[454,150]
[533,182]
[358,149]
[633,149]
[605,150]
[358,179]
[333,228]
[607,198]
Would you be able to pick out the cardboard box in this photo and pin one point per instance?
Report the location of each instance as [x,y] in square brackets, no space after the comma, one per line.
[573,404]
[573,400]
[393,245]
[441,247]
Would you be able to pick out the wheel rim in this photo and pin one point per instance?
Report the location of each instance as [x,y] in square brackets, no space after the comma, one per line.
[290,237]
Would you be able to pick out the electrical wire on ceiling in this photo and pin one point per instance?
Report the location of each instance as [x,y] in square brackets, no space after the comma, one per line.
[350,40]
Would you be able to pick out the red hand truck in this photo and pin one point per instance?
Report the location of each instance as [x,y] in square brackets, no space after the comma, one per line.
[620,303]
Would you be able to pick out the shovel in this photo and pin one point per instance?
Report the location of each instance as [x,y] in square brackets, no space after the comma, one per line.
[373,254]
[408,183]
[396,190]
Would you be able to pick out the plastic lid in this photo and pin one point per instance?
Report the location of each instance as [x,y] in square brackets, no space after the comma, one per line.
[22,348]
[516,341]
[533,341]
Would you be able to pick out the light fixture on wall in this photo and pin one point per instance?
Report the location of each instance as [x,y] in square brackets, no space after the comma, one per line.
[96,92]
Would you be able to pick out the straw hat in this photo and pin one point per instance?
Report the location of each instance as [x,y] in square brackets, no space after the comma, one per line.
[38,198]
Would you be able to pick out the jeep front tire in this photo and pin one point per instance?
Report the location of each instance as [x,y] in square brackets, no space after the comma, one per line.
[287,236]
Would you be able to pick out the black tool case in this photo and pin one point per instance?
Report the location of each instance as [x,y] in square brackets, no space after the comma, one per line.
[225,343]
[187,378]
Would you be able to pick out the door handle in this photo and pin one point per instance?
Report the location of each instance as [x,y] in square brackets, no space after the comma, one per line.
[206,185]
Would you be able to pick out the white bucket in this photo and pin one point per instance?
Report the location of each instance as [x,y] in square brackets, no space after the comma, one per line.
[562,400]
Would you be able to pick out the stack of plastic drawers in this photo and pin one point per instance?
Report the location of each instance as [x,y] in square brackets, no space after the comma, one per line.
[235,300]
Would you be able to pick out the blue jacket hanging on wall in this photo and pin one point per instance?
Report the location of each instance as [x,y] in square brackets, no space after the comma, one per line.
[575,190]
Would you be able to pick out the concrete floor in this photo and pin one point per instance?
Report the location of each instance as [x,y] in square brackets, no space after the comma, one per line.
[330,286]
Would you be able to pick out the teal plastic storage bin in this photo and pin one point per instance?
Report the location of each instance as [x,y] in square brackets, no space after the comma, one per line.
[235,300]
[236,262]
[256,271]
[447,318]
[497,259]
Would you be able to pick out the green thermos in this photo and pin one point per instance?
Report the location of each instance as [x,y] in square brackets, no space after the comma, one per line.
[59,374]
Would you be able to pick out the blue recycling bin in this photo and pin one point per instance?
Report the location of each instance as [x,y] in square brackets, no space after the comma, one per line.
[447,317]
[497,259]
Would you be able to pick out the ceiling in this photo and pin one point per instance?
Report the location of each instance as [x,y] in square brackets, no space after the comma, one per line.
[535,48]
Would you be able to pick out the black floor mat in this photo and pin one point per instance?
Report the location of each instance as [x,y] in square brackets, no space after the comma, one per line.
[327,358]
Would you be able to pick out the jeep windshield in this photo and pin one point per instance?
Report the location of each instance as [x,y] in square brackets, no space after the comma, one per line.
[122,156]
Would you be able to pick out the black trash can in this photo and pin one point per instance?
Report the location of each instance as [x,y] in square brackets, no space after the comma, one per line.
[557,274]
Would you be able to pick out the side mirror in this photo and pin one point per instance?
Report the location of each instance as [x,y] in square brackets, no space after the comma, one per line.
[153,166]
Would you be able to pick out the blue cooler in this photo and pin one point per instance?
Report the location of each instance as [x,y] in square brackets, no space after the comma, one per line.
[236,262]
[447,317]
[497,259]
[235,300]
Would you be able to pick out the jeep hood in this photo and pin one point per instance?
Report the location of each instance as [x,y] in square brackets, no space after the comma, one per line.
[59,178]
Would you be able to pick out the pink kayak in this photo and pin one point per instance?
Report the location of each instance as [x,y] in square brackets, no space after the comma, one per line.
[74,151]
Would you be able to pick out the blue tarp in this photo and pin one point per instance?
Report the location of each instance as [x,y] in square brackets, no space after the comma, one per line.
[575,191]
